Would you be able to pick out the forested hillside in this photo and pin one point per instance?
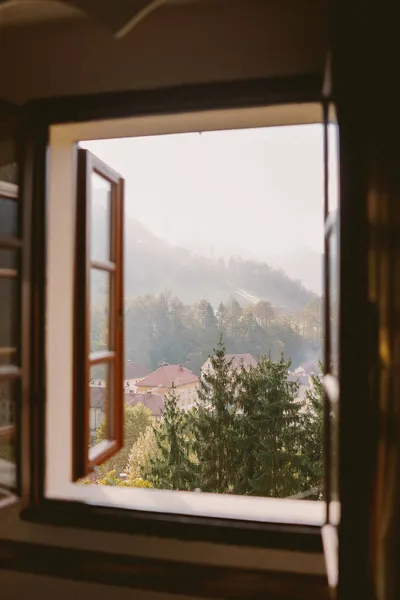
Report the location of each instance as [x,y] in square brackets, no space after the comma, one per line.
[178,304]
[162,328]
[153,267]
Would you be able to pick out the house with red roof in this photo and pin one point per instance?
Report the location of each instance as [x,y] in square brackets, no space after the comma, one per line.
[154,402]
[134,372]
[162,379]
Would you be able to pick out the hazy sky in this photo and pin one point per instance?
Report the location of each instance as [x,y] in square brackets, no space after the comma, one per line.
[254,192]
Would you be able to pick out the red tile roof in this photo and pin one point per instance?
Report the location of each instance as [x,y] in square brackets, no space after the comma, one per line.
[135,370]
[155,402]
[167,375]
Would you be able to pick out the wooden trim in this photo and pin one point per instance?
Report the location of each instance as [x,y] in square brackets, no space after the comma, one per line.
[8,190]
[7,433]
[83,359]
[331,550]
[207,96]
[10,243]
[119,365]
[7,351]
[81,407]
[30,449]
[96,358]
[327,320]
[9,372]
[77,515]
[165,576]
[103,266]
[36,117]
[8,273]
[101,452]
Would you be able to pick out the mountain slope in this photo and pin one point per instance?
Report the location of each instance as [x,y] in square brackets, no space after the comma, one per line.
[303,264]
[153,266]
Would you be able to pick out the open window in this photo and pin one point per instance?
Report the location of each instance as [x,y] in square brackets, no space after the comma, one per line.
[10,371]
[98,366]
[85,420]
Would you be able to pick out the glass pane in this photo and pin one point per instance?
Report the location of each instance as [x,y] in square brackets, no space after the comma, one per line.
[100,386]
[8,217]
[100,310]
[8,312]
[8,390]
[100,222]
[333,177]
[8,259]
[334,296]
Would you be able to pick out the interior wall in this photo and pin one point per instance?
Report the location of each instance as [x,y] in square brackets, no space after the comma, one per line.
[211,40]
[15,586]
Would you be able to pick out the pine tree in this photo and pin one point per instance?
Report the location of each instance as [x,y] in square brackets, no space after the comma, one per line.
[171,467]
[312,437]
[272,423]
[213,423]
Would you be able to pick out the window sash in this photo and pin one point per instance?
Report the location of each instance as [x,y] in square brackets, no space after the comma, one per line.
[12,372]
[85,460]
[331,359]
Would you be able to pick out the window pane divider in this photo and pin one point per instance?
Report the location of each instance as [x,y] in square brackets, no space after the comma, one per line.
[9,372]
[103,265]
[102,356]
[8,273]
[7,351]
[10,242]
[8,190]
[7,433]
[101,451]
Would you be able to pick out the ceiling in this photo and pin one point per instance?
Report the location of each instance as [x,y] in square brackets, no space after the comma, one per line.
[119,16]
[21,12]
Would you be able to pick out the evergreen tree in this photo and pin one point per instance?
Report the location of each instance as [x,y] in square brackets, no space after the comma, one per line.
[213,422]
[311,445]
[271,425]
[171,466]
[221,316]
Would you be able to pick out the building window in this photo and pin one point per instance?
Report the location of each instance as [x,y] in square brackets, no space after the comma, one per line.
[246,316]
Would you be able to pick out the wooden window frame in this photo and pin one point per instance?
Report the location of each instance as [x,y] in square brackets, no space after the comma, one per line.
[13,371]
[84,461]
[36,120]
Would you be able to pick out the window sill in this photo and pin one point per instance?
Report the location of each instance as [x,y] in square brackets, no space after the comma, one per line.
[217,506]
[236,520]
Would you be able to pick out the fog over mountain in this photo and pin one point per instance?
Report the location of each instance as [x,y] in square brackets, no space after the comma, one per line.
[254,193]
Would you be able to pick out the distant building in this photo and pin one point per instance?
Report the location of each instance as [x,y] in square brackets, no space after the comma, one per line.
[162,379]
[134,372]
[97,407]
[153,401]
[308,368]
[237,361]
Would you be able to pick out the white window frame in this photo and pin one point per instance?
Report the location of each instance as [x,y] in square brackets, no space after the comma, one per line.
[61,207]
